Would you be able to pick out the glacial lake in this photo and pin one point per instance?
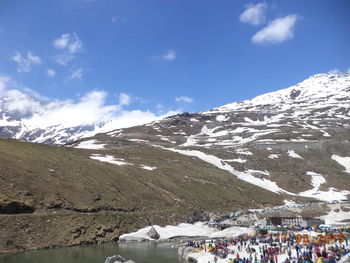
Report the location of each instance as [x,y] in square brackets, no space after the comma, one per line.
[143,252]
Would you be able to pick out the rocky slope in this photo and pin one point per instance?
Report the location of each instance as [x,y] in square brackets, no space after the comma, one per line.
[294,141]
[59,196]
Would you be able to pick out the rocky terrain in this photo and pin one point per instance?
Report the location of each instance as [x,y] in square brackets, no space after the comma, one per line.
[293,144]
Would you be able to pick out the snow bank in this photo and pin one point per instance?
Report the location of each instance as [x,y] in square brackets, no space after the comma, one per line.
[198,229]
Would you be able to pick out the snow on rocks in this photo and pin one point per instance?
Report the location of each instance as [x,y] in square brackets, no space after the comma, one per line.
[90,144]
[344,161]
[293,154]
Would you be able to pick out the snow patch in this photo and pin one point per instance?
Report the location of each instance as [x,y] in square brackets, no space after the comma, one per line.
[238,160]
[109,159]
[222,118]
[332,194]
[91,145]
[344,161]
[190,142]
[334,218]
[244,152]
[247,177]
[292,154]
[138,140]
[149,168]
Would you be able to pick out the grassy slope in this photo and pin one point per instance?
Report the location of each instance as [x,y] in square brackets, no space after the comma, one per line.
[90,195]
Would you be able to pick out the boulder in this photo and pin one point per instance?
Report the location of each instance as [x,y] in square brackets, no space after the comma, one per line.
[152,233]
[116,259]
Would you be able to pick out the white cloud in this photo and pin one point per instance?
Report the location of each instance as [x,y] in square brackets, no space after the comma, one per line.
[124,99]
[278,30]
[184,99]
[50,72]
[25,63]
[69,42]
[77,73]
[64,59]
[61,42]
[334,71]
[90,108]
[348,71]
[17,100]
[169,56]
[254,14]
[75,45]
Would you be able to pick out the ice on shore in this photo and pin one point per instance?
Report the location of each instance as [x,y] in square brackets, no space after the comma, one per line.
[199,229]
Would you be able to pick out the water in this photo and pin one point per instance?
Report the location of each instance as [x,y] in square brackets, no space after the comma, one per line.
[147,252]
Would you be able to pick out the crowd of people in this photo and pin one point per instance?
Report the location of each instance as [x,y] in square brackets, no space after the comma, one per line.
[272,249]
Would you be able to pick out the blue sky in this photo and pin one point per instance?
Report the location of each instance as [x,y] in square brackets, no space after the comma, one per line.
[162,55]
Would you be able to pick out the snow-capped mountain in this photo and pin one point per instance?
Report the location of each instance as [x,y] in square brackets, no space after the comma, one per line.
[13,125]
[58,122]
[294,141]
[315,102]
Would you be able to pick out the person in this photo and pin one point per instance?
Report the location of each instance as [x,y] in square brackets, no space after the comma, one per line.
[320,260]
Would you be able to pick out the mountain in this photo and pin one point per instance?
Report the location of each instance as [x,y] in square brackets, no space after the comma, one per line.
[289,145]
[28,116]
[294,141]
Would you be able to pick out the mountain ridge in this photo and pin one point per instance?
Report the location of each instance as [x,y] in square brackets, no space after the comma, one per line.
[22,125]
